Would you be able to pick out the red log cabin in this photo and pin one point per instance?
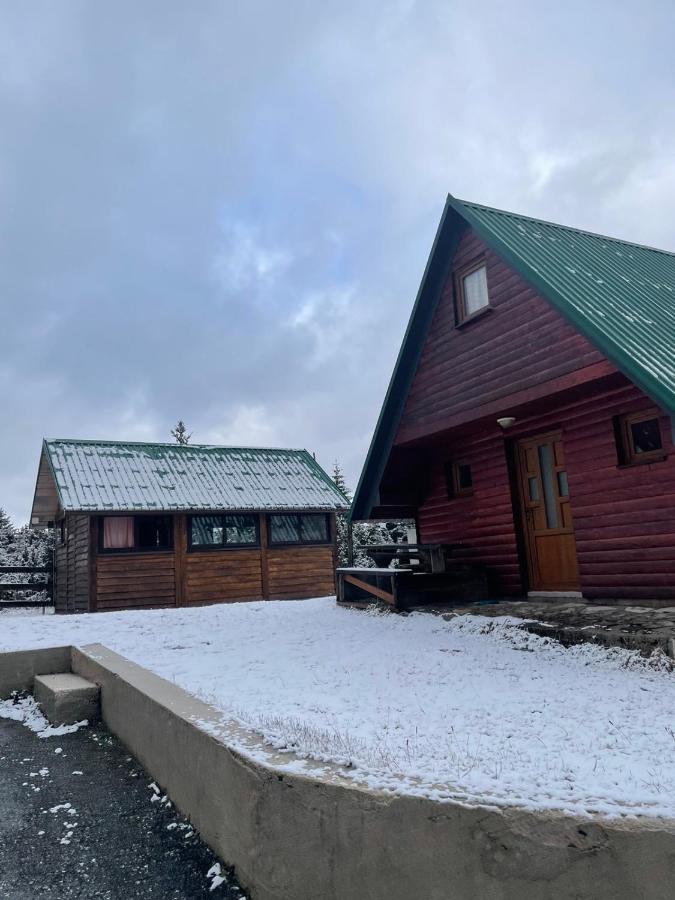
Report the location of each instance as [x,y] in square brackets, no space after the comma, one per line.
[529,415]
[149,525]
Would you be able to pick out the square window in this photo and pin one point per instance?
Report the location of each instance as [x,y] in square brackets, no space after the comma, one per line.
[314,529]
[206,531]
[153,532]
[284,530]
[309,528]
[458,479]
[118,533]
[638,437]
[241,530]
[645,436]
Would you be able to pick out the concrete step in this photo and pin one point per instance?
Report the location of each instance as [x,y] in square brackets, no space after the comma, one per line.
[67,698]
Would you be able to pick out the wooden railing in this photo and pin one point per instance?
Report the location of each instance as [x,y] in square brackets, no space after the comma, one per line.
[35,586]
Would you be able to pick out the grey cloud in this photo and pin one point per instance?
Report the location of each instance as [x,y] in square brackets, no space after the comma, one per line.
[221,211]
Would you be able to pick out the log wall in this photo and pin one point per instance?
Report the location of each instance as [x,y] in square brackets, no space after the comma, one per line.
[296,572]
[184,578]
[223,576]
[514,346]
[624,516]
[71,561]
[135,580]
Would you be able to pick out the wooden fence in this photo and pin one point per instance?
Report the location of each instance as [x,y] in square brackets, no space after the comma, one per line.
[46,585]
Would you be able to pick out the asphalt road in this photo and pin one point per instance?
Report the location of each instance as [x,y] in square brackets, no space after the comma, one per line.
[77,821]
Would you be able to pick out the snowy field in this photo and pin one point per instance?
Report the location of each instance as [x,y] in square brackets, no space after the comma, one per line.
[473,709]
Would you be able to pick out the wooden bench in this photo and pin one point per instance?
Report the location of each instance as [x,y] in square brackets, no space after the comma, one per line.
[379,584]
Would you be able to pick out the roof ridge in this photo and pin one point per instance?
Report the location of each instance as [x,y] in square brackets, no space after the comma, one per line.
[575,229]
[173,444]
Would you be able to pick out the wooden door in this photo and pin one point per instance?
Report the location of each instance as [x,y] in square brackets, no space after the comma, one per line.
[546,514]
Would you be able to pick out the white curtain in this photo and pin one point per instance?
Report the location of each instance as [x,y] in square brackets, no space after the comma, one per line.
[118,532]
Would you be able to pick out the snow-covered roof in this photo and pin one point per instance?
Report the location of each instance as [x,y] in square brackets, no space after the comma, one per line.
[117,476]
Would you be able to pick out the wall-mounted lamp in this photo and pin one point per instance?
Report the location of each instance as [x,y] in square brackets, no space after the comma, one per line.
[506,422]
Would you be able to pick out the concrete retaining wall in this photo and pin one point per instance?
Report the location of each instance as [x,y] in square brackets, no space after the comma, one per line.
[296,838]
[18,669]
[292,837]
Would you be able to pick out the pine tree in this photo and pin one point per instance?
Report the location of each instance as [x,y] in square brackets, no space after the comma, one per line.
[341,525]
[23,546]
[180,433]
[7,539]
[339,479]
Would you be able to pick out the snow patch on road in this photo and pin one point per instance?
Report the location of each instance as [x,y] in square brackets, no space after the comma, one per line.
[26,711]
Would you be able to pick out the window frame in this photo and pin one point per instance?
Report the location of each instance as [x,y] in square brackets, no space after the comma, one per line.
[225,545]
[452,484]
[624,438]
[300,543]
[116,551]
[461,314]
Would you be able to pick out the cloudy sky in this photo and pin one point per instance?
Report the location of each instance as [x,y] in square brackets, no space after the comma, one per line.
[220,211]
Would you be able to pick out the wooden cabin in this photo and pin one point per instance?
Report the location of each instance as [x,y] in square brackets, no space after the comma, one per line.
[529,416]
[155,525]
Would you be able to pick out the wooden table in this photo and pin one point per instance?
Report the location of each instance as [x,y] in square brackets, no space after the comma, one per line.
[433,558]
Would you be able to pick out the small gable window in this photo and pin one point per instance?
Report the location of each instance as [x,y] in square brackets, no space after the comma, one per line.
[638,438]
[458,479]
[472,291]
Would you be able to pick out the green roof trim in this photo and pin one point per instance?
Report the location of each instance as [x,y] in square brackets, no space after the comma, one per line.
[105,476]
[619,295]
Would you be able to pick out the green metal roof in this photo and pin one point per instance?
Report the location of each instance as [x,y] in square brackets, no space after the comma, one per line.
[619,295]
[117,476]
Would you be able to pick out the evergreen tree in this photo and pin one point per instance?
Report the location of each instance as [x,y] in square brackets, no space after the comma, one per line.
[180,433]
[341,525]
[7,539]
[339,479]
[23,546]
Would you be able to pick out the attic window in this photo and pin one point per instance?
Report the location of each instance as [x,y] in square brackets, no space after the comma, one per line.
[638,438]
[471,290]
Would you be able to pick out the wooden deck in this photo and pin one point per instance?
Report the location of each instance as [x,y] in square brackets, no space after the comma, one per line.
[403,588]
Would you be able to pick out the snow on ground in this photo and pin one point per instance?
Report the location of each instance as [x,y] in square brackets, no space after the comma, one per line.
[473,709]
[26,710]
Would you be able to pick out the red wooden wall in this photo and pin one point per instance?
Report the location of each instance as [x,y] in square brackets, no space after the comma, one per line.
[520,342]
[624,517]
[519,356]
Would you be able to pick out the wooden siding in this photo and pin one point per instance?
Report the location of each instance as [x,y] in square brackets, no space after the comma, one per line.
[624,517]
[135,580]
[223,576]
[186,578]
[72,567]
[296,572]
[515,346]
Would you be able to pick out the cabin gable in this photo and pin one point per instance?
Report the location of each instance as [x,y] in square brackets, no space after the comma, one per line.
[516,345]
